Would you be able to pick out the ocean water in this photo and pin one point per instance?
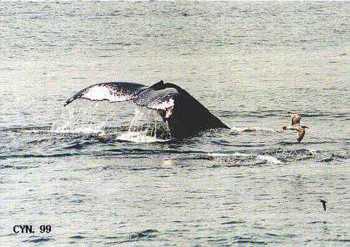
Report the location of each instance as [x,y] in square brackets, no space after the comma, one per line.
[250,63]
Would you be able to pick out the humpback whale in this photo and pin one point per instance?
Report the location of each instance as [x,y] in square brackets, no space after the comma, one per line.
[182,113]
[296,117]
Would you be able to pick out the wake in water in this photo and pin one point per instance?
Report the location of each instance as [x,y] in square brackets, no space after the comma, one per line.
[145,127]
[239,158]
[236,130]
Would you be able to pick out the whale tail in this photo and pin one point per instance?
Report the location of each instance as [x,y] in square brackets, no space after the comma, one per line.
[184,115]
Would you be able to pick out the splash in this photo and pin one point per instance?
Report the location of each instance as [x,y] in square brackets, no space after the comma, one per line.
[145,127]
[79,120]
[139,137]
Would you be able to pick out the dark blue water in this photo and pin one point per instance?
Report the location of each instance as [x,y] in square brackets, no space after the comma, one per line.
[249,63]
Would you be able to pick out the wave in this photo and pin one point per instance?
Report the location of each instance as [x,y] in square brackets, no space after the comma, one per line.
[269,159]
[38,239]
[14,156]
[240,159]
[140,236]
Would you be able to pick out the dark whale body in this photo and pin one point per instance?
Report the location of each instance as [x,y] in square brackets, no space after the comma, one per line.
[184,115]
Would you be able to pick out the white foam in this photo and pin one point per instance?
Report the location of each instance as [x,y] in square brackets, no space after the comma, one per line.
[269,159]
[75,130]
[237,154]
[139,137]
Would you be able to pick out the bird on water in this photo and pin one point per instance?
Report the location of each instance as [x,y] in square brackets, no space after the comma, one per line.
[323,204]
[296,117]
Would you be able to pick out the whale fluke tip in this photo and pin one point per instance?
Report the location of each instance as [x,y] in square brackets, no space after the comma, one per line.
[67,102]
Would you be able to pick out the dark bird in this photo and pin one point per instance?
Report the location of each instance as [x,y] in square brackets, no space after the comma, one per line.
[296,117]
[183,114]
[323,204]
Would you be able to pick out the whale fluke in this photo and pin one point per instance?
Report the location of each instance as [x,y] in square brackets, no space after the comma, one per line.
[110,91]
[183,114]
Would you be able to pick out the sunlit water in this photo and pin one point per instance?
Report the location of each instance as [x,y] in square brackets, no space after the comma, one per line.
[86,170]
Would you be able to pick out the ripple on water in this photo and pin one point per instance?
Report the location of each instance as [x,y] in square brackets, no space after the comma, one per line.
[77,237]
[233,222]
[38,239]
[17,167]
[248,241]
[141,235]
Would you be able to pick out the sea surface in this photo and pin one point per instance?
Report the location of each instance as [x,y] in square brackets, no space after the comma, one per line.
[249,63]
